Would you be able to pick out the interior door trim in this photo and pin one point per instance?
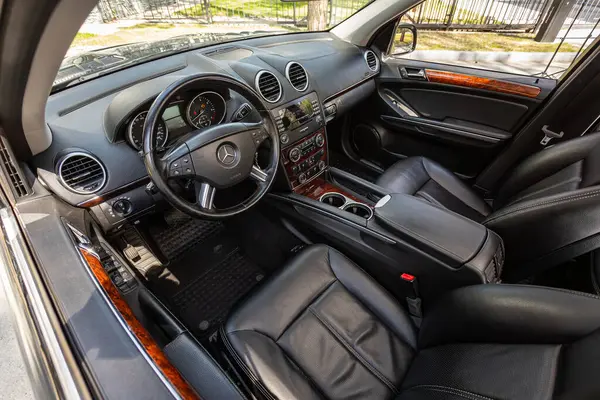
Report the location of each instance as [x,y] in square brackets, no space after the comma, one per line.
[478,82]
[471,133]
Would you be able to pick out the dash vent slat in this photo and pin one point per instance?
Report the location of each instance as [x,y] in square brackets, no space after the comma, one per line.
[296,74]
[82,173]
[371,60]
[268,86]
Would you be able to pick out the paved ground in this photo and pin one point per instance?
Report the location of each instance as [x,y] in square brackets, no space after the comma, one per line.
[14,382]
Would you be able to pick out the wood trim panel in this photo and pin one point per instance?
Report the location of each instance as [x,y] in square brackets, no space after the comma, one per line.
[477,82]
[94,201]
[319,186]
[153,350]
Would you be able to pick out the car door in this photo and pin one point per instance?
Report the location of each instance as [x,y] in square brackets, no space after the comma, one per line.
[456,115]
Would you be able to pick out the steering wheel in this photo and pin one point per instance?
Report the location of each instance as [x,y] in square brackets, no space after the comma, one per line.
[216,157]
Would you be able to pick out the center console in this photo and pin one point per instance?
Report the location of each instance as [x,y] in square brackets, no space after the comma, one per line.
[303,139]
[304,156]
[399,234]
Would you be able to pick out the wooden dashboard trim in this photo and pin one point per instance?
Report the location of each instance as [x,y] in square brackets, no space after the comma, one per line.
[94,201]
[319,186]
[478,82]
[152,349]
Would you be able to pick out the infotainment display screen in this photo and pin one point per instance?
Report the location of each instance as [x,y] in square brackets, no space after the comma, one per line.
[297,114]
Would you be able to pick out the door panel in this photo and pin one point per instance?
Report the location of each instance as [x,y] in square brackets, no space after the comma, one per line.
[441,105]
[458,116]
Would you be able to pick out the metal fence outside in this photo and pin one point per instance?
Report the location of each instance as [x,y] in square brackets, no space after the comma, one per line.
[493,15]
[211,11]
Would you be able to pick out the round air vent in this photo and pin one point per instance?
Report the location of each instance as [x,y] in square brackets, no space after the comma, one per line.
[296,74]
[81,173]
[372,60]
[268,86]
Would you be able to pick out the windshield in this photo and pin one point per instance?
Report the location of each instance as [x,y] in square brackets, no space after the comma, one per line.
[121,33]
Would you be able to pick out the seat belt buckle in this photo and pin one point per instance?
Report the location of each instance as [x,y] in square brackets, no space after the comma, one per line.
[549,135]
[413,300]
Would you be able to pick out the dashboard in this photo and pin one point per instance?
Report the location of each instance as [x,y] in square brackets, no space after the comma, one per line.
[103,118]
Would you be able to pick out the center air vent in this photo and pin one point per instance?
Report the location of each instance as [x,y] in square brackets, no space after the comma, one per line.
[268,86]
[82,173]
[372,60]
[296,74]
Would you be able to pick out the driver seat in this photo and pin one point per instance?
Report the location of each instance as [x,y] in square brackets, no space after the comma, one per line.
[324,329]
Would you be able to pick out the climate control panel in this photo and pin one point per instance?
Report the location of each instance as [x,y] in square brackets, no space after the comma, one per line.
[306,158]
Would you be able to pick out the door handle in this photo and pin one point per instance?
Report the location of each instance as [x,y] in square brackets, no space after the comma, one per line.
[413,73]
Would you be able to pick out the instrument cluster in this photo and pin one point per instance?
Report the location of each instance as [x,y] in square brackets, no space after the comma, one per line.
[184,114]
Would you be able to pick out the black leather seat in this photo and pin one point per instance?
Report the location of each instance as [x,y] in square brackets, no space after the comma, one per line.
[322,328]
[549,201]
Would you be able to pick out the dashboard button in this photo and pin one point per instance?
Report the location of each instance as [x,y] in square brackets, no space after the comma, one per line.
[284,138]
[295,154]
[122,207]
[320,140]
[302,178]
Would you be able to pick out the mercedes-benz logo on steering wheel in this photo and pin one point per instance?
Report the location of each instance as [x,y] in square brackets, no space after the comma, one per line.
[227,154]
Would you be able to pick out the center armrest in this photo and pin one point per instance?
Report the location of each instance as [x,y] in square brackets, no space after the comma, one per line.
[453,240]
[453,236]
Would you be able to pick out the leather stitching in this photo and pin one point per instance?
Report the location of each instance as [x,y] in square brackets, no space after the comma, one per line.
[406,230]
[544,203]
[426,196]
[575,293]
[450,390]
[257,383]
[444,187]
[312,300]
[351,349]
[539,191]
[369,308]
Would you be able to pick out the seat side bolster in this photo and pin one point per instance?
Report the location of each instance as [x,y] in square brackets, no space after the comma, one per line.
[544,164]
[510,314]
[270,369]
[534,228]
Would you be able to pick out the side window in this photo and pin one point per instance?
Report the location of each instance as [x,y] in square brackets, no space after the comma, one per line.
[534,37]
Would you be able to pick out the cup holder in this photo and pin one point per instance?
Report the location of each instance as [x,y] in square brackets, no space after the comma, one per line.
[342,202]
[358,209]
[333,199]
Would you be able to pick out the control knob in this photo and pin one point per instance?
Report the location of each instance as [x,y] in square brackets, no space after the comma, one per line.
[295,154]
[302,178]
[320,140]
[322,165]
[122,207]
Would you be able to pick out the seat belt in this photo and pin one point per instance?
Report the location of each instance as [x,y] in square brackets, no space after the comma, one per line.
[413,300]
[549,135]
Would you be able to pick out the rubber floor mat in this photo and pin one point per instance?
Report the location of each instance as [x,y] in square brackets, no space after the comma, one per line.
[204,303]
[174,241]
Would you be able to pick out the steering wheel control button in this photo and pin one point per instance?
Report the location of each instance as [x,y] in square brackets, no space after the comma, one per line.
[181,167]
[228,155]
[242,112]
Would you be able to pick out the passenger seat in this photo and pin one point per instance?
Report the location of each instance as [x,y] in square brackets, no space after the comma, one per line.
[549,201]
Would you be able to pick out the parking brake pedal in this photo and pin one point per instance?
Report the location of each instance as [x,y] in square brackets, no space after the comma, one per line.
[131,253]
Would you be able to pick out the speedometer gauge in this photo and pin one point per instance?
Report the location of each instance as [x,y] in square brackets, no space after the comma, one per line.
[135,131]
[206,109]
